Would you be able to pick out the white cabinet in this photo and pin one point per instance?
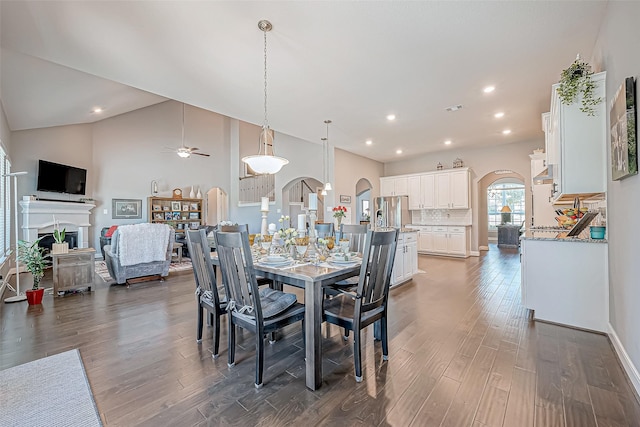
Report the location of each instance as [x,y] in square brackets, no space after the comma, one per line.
[394,186]
[425,239]
[570,290]
[578,145]
[406,260]
[452,189]
[421,192]
[448,240]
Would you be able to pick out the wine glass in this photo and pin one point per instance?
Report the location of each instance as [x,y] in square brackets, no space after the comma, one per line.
[330,242]
[301,246]
[344,245]
[266,241]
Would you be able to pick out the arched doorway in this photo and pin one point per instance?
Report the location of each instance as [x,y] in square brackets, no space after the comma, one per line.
[295,196]
[363,200]
[487,219]
[217,206]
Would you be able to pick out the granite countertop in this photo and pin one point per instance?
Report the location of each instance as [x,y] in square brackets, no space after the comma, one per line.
[408,230]
[550,235]
[440,225]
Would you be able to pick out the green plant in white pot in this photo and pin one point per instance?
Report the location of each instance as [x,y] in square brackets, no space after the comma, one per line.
[576,84]
[32,256]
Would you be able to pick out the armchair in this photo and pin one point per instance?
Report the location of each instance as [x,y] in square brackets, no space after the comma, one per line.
[139,250]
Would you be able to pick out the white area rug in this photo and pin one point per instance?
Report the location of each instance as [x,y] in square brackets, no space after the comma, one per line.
[101,268]
[51,392]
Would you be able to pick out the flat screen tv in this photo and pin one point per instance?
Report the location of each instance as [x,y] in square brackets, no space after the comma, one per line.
[58,178]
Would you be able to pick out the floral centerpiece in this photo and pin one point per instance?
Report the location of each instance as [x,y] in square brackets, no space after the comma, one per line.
[339,212]
[286,234]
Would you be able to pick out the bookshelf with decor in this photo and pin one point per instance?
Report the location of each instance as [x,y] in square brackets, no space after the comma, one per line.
[181,214]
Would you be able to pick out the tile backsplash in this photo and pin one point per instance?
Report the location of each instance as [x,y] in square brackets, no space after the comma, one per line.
[441,217]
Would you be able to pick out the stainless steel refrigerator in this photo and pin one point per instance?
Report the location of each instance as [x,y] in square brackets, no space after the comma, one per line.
[392,211]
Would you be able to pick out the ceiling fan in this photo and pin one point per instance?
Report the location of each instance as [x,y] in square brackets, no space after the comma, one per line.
[184,151]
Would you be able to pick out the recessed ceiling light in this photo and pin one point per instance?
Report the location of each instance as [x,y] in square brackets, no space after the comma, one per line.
[506,131]
[447,142]
[499,115]
[391,117]
[454,107]
[97,110]
[489,89]
[368,142]
[398,151]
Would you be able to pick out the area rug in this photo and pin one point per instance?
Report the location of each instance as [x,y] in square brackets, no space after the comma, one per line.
[53,391]
[101,268]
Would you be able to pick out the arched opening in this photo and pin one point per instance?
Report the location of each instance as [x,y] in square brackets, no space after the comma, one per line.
[295,196]
[507,189]
[363,201]
[217,206]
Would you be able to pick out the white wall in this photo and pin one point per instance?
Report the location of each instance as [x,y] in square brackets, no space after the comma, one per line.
[481,161]
[617,52]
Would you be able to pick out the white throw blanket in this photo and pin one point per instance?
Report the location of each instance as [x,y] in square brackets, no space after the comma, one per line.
[141,243]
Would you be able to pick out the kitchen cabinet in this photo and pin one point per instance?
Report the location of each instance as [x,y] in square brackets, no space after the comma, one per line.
[452,189]
[421,191]
[394,186]
[578,145]
[450,240]
[405,264]
[425,239]
[566,282]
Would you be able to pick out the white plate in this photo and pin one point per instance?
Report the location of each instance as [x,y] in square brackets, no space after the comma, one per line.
[276,263]
[351,260]
[274,258]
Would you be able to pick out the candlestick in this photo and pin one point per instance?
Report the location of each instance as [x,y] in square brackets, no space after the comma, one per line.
[302,222]
[312,224]
[313,201]
[265,204]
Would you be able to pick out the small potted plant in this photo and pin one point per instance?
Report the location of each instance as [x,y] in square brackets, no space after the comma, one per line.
[60,246]
[33,258]
[576,81]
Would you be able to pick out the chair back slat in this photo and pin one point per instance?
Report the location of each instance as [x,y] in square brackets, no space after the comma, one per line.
[356,234]
[324,229]
[237,227]
[375,272]
[236,265]
[201,262]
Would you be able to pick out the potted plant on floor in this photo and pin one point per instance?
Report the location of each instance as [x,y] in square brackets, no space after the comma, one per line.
[31,255]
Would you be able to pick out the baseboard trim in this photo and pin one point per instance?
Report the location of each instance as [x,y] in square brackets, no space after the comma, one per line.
[474,253]
[625,360]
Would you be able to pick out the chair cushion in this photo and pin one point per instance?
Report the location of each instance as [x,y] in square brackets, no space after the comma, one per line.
[110,231]
[275,302]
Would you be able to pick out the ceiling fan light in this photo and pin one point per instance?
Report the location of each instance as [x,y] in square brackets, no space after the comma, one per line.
[265,164]
[328,187]
[184,154]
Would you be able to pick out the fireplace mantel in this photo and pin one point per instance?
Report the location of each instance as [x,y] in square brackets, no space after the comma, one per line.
[38,218]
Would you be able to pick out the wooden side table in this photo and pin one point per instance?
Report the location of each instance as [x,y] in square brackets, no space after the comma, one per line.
[177,247]
[73,270]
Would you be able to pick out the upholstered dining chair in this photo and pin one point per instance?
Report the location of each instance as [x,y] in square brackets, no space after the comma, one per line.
[324,229]
[369,304]
[207,292]
[261,311]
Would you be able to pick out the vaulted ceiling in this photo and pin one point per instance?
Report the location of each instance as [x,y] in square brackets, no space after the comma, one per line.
[351,62]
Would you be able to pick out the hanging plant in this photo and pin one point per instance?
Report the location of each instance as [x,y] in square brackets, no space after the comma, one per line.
[575,81]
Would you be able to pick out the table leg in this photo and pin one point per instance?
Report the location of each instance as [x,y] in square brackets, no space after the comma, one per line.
[313,336]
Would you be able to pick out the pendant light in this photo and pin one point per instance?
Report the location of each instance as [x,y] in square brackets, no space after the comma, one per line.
[325,147]
[265,162]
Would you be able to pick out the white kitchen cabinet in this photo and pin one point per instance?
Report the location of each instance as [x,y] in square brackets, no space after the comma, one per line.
[421,191]
[452,189]
[566,282]
[405,264]
[394,186]
[425,239]
[448,240]
[579,145]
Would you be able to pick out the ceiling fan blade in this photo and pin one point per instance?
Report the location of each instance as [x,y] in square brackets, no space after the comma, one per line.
[192,149]
[201,154]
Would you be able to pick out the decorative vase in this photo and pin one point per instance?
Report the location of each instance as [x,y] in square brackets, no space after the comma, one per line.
[192,195]
[60,248]
[199,195]
[34,296]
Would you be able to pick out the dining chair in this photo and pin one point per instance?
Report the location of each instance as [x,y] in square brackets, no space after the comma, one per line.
[357,235]
[261,311]
[324,229]
[207,290]
[245,227]
[369,304]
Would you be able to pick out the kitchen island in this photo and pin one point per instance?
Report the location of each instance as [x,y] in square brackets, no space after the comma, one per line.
[565,280]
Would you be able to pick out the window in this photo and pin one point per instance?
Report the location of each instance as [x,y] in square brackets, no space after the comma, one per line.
[500,194]
[5,204]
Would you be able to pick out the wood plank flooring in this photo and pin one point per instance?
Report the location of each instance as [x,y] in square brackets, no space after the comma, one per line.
[462,353]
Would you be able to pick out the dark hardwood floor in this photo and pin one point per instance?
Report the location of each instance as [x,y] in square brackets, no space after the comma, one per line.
[463,353]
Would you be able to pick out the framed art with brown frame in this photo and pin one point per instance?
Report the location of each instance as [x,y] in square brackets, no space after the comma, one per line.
[624,142]
[345,199]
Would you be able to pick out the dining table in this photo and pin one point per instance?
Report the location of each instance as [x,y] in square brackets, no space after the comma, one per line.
[311,277]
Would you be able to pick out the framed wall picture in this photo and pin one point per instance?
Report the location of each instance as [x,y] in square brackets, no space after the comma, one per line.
[345,199]
[126,209]
[624,143]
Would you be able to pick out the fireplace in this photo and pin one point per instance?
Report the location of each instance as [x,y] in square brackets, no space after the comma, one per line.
[38,219]
[47,240]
